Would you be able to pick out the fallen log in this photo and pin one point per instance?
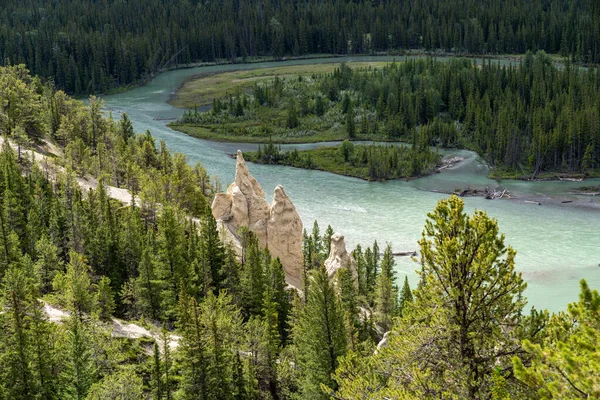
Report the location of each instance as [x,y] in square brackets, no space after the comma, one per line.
[533,202]
[403,253]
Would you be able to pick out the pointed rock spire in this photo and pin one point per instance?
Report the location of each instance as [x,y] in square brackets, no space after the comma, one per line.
[278,227]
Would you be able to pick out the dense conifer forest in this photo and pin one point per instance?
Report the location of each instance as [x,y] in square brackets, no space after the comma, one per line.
[115,279]
[229,328]
[88,46]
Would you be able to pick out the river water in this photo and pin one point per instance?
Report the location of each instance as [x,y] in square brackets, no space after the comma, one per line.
[557,244]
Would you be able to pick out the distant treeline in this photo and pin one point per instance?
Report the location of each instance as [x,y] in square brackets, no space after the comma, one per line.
[89,46]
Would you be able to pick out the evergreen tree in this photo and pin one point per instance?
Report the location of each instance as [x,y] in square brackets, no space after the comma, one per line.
[253,278]
[565,365]
[406,297]
[156,385]
[15,351]
[195,361]
[171,265]
[74,286]
[450,341]
[320,335]
[147,283]
[327,240]
[386,291]
[276,296]
[79,370]
[48,263]
[126,127]
[105,301]
[212,253]
[124,385]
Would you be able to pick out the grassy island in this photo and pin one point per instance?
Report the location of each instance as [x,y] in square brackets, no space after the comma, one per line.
[369,162]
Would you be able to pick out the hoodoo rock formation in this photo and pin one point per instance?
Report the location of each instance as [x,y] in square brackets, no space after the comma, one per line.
[339,257]
[278,227]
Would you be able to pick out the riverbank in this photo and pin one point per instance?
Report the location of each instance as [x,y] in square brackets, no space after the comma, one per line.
[368,162]
[545,176]
[235,133]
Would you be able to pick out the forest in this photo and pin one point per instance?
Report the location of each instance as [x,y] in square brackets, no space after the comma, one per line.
[524,120]
[91,47]
[157,259]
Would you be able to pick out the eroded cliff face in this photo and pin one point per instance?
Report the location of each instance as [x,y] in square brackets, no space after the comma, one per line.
[339,257]
[278,226]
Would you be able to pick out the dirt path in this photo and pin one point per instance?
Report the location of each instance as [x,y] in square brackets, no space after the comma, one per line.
[117,327]
[44,157]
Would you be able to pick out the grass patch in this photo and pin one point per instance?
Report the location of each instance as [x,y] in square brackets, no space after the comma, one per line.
[238,132]
[202,89]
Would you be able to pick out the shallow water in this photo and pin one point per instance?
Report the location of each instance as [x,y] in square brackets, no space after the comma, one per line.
[557,244]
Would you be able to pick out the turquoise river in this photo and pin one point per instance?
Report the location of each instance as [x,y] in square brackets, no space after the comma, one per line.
[557,243]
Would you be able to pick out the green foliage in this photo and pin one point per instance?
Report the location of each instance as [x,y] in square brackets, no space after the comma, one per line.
[461,326]
[370,162]
[406,297]
[565,364]
[520,119]
[79,369]
[347,150]
[320,335]
[74,286]
[386,291]
[105,301]
[124,385]
[56,45]
[211,339]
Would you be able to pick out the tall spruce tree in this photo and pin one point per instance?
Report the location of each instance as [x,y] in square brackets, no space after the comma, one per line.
[320,336]
[386,291]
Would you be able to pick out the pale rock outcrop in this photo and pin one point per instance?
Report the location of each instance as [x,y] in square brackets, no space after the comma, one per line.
[339,257]
[284,235]
[278,227]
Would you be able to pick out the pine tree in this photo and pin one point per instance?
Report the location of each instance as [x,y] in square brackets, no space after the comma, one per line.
[386,292]
[231,273]
[105,301]
[320,336]
[463,323]
[212,251]
[276,294]
[172,268]
[74,286]
[44,356]
[348,295]
[166,378]
[156,385]
[565,364]
[253,278]
[126,127]
[327,241]
[221,324]
[79,370]
[147,282]
[15,353]
[406,297]
[316,239]
[48,263]
[194,377]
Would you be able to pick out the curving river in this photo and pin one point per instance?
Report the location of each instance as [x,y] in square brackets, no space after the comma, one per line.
[557,244]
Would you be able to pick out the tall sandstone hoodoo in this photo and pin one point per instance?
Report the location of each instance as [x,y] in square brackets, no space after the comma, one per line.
[278,226]
[339,257]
